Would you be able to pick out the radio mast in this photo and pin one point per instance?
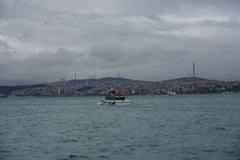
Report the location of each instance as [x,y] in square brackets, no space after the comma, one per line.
[193,69]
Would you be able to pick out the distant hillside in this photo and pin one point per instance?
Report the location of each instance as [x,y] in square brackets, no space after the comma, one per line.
[189,80]
[6,90]
[96,87]
[97,82]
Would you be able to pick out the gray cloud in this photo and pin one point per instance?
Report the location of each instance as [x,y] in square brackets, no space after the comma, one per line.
[3,10]
[46,40]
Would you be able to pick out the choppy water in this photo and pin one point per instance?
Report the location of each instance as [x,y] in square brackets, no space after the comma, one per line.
[204,127]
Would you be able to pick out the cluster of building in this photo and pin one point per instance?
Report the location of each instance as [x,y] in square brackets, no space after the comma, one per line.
[132,88]
[99,87]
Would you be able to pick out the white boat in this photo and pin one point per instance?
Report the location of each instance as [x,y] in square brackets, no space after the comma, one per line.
[114,99]
[171,93]
[115,102]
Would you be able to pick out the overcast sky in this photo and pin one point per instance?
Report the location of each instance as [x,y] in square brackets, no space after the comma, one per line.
[47,40]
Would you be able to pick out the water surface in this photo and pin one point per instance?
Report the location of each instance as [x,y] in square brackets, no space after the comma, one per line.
[204,127]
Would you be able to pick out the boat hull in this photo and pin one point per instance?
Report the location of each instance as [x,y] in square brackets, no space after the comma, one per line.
[115,102]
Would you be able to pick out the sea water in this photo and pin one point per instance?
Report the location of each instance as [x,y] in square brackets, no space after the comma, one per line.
[182,127]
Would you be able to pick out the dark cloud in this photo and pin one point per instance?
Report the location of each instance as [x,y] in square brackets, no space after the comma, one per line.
[4,46]
[46,40]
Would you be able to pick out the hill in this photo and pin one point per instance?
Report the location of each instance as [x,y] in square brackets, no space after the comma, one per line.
[94,87]
[190,80]
[97,82]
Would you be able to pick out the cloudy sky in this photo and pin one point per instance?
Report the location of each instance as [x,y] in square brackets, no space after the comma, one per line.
[47,40]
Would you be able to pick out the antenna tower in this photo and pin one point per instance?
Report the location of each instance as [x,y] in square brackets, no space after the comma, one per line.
[193,69]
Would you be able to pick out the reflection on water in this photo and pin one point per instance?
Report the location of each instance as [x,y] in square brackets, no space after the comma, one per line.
[152,128]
